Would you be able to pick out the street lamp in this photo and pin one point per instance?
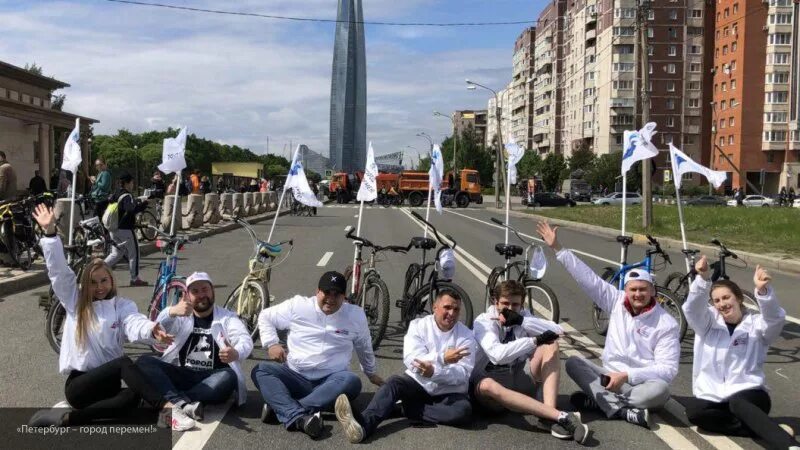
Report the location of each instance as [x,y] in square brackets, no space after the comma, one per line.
[499,173]
[426,136]
[415,151]
[455,139]
[136,161]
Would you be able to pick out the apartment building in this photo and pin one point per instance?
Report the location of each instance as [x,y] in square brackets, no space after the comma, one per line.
[475,119]
[580,67]
[548,79]
[505,115]
[521,92]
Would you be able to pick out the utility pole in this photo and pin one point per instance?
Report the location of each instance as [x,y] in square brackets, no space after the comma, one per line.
[647,191]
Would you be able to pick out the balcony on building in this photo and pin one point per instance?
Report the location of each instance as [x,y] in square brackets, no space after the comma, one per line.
[691,129]
[621,103]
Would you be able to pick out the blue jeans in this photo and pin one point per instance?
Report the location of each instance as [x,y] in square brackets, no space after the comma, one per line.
[180,385]
[292,395]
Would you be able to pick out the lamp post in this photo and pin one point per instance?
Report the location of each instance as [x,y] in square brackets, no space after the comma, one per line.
[430,141]
[136,162]
[500,174]
[455,139]
[415,151]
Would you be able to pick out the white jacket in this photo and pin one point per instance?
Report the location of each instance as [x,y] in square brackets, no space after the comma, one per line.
[426,342]
[646,346]
[489,333]
[115,319]
[226,324]
[319,344]
[725,364]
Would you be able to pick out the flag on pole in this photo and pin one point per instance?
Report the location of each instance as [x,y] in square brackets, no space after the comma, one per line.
[72,149]
[682,163]
[369,185]
[435,175]
[638,145]
[298,183]
[514,154]
[173,158]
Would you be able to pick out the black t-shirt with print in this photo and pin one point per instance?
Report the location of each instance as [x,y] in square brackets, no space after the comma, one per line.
[200,351]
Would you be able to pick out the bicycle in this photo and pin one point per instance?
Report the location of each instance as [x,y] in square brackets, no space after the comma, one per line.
[418,295]
[145,221]
[679,282]
[542,300]
[251,296]
[371,292]
[666,298]
[169,286]
[17,236]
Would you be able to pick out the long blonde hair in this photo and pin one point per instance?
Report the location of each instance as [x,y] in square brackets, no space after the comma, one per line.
[84,310]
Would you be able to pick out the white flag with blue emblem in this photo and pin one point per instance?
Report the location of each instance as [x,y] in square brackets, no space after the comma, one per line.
[682,164]
[72,149]
[638,145]
[514,154]
[298,183]
[435,175]
[173,158]
[369,185]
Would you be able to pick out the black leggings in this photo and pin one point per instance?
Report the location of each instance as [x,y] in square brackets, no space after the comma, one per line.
[744,414]
[98,393]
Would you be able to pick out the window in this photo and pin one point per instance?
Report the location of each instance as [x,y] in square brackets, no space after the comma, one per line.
[650,32]
[625,13]
[670,68]
[778,58]
[734,104]
[651,15]
[618,139]
[723,105]
[717,35]
[697,14]
[623,31]
[732,65]
[589,92]
[694,67]
[673,51]
[727,12]
[670,86]
[724,87]
[716,53]
[721,124]
[695,50]
[780,19]
[667,139]
[722,142]
[776,97]
[623,84]
[775,117]
[734,46]
[623,49]
[694,85]
[724,50]
[649,86]
[688,139]
[670,103]
[716,88]
[673,14]
[694,103]
[779,2]
[735,8]
[726,31]
[777,78]
[694,31]
[587,108]
[650,50]
[670,121]
[673,32]
[731,122]
[780,39]
[733,85]
[623,67]
[775,136]
[730,140]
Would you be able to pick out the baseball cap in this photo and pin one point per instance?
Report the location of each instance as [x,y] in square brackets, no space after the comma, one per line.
[333,281]
[638,274]
[198,276]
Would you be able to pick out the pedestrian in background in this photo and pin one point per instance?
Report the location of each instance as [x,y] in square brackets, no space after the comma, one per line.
[37,185]
[101,187]
[125,239]
[8,179]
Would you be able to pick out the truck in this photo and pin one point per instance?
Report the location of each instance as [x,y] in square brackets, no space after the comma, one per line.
[462,190]
[578,190]
[343,187]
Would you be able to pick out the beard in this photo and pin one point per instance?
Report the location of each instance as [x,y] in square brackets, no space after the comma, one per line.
[204,304]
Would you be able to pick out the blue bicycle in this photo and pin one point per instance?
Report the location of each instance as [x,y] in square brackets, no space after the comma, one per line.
[169,286]
[666,298]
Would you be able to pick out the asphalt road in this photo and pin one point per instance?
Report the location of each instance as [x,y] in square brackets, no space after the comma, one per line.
[30,377]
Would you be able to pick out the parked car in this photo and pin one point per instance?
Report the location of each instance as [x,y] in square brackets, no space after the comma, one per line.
[796,203]
[616,199]
[754,200]
[706,200]
[550,199]
[579,190]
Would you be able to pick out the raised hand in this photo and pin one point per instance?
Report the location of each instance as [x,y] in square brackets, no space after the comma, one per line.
[45,218]
[181,309]
[454,355]
[228,354]
[761,278]
[701,267]
[549,235]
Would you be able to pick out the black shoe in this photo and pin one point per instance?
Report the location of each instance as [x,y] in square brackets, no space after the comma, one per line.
[582,401]
[636,416]
[310,424]
[268,415]
[49,417]
[194,410]
[571,428]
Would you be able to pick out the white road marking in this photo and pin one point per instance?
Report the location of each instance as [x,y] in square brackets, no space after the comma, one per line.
[667,433]
[324,260]
[199,437]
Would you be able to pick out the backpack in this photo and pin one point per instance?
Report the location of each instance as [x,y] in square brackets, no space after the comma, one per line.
[111,214]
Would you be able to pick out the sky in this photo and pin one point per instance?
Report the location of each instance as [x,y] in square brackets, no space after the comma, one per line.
[261,83]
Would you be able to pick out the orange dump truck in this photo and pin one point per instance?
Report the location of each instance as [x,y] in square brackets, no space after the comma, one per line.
[414,187]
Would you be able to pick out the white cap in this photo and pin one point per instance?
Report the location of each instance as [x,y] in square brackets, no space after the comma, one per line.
[198,276]
[638,274]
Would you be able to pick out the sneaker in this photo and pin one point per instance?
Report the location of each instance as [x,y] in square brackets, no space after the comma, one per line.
[570,427]
[194,410]
[344,414]
[311,424]
[49,417]
[268,414]
[636,416]
[788,429]
[138,282]
[582,401]
[176,419]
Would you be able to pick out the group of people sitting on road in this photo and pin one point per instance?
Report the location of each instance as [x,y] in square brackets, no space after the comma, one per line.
[509,362]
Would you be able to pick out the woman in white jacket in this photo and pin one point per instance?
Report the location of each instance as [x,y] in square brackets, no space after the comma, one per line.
[92,357]
[730,346]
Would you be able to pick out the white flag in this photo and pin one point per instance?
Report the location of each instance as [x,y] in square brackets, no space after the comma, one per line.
[72,149]
[682,163]
[298,183]
[638,145]
[435,175]
[173,158]
[369,185]
[514,154]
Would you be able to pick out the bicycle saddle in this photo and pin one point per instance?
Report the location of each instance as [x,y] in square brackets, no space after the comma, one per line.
[423,243]
[626,240]
[690,251]
[509,250]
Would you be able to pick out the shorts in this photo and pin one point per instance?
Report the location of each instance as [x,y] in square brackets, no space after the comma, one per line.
[516,377]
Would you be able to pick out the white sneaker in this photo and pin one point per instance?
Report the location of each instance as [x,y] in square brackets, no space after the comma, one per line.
[176,419]
[788,429]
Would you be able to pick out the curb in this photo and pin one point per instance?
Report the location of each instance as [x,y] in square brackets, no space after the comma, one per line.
[789,266]
[37,275]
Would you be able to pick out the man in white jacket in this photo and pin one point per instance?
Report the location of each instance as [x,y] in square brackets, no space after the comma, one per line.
[203,364]
[439,353]
[517,351]
[642,348]
[323,331]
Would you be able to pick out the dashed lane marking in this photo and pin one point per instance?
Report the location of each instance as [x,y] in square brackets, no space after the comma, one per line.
[324,260]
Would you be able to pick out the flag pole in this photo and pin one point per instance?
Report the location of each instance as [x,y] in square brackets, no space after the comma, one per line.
[356,244]
[508,199]
[72,197]
[175,203]
[624,210]
[680,218]
[428,208]
[277,213]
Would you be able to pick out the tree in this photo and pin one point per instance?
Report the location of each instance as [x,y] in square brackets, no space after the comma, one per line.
[583,158]
[553,168]
[57,102]
[277,170]
[607,171]
[470,155]
[34,68]
[529,165]
[313,177]
[424,164]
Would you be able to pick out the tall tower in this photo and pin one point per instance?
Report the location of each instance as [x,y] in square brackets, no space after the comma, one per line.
[348,138]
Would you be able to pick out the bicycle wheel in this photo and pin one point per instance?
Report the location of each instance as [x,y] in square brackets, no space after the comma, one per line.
[491,283]
[144,221]
[599,317]
[175,289]
[54,325]
[249,305]
[750,301]
[542,301]
[423,302]
[24,255]
[410,286]
[672,305]
[374,299]
[677,284]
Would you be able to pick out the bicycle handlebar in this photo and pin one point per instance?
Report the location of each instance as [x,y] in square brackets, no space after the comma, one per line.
[724,252]
[505,225]
[377,248]
[654,242]
[435,232]
[182,238]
